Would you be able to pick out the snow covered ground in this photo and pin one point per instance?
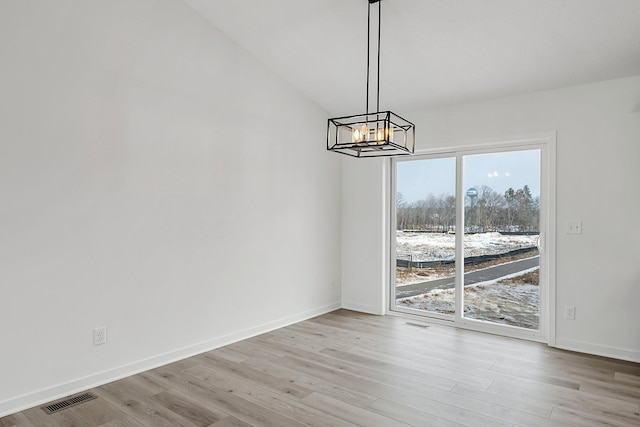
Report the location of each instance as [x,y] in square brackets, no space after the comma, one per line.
[439,246]
[511,300]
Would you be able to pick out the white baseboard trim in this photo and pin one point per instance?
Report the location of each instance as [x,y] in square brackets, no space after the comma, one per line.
[40,397]
[370,309]
[598,350]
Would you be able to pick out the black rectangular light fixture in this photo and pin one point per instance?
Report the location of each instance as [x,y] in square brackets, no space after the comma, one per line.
[372,134]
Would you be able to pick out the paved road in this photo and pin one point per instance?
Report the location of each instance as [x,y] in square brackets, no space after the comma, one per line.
[470,278]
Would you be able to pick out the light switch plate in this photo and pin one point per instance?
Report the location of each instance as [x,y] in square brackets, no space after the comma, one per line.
[100,336]
[570,312]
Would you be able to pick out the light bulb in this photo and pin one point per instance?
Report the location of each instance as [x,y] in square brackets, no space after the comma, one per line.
[355,135]
[364,132]
[380,135]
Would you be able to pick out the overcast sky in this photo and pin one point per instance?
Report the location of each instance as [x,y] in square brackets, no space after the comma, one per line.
[418,178]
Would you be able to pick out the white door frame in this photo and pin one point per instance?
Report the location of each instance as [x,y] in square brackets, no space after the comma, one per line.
[546,143]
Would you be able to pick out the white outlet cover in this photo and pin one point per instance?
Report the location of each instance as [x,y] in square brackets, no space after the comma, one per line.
[574,227]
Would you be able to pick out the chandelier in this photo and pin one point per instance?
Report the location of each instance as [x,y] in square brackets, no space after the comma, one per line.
[372,134]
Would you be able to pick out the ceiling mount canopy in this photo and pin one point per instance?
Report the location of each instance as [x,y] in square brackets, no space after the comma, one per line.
[371,134]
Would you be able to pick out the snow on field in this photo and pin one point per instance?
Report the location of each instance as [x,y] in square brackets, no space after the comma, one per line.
[439,246]
[508,300]
[514,303]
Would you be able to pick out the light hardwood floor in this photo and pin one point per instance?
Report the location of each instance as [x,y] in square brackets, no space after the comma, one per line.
[347,368]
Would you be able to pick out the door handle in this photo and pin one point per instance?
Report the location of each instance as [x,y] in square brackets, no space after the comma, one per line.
[540,243]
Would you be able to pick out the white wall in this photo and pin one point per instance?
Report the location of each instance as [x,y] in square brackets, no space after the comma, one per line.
[364,261]
[154,179]
[598,151]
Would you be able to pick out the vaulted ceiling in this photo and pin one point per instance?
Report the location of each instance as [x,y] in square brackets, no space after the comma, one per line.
[434,52]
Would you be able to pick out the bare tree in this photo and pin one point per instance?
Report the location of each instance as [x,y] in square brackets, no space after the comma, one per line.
[516,210]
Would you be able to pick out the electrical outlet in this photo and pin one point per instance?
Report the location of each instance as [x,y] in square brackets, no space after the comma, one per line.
[99,336]
[569,312]
[574,227]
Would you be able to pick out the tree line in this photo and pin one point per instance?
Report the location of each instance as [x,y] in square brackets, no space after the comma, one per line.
[514,211]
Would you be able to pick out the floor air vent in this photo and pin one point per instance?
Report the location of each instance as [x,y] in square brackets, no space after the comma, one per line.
[416,324]
[68,403]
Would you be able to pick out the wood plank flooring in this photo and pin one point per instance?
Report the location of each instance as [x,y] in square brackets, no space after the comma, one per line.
[352,369]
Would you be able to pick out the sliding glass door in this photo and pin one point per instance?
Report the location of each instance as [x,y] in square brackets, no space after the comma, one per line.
[466,238]
[425,235]
[501,233]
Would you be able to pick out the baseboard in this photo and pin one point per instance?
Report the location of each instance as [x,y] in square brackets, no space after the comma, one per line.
[598,350]
[370,309]
[49,394]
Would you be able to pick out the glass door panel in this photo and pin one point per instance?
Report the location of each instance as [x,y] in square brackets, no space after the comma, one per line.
[501,235]
[425,236]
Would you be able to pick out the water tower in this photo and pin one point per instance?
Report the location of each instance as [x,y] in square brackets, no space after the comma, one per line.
[472,194]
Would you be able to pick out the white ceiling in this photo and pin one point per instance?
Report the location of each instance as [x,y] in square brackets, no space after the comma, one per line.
[434,52]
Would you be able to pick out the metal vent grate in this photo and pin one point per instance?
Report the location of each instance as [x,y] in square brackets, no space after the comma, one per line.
[68,403]
[416,324]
